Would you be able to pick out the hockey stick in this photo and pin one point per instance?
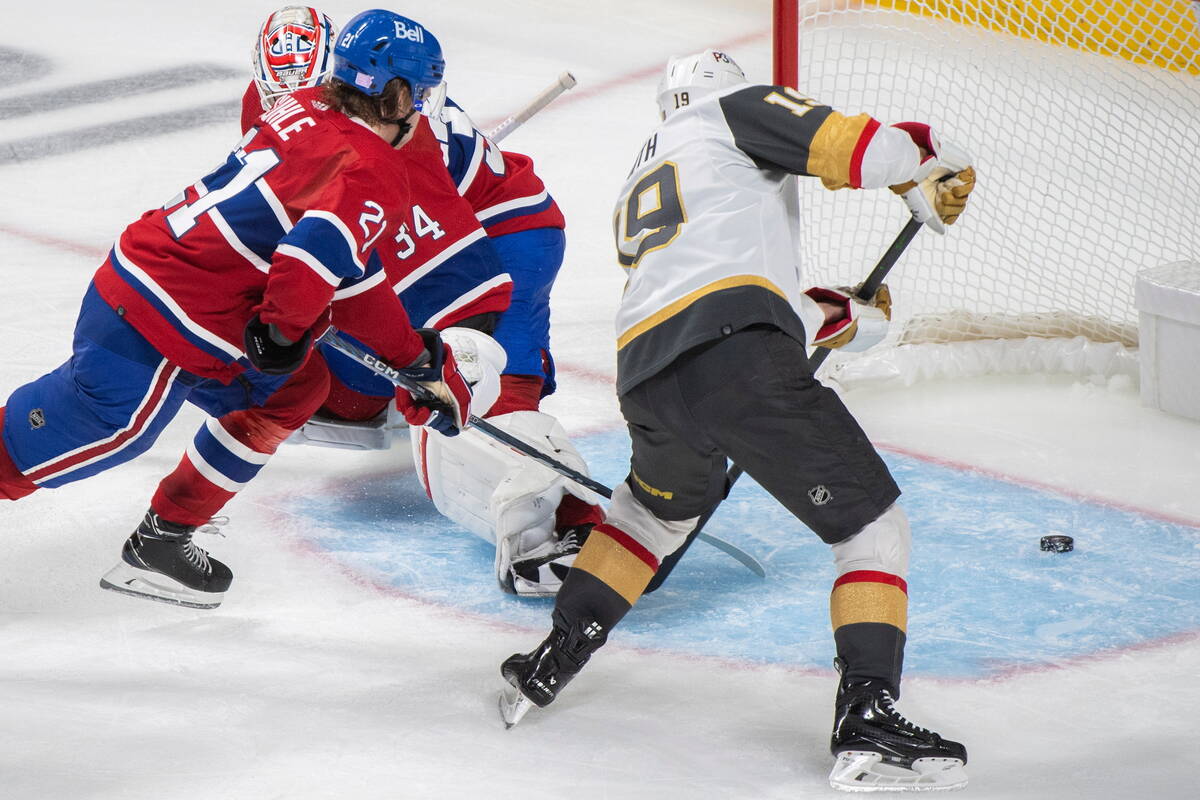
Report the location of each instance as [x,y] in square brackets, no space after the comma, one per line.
[565,81]
[332,338]
[865,292]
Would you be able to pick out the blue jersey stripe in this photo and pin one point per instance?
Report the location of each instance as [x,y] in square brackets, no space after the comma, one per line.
[518,212]
[221,459]
[470,267]
[321,239]
[253,222]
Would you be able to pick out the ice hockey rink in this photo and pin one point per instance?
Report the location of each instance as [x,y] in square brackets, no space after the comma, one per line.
[357,652]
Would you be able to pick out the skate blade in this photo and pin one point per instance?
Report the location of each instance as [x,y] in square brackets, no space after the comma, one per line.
[513,705]
[858,771]
[128,580]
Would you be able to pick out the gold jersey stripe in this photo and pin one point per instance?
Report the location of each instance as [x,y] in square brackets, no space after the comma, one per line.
[605,559]
[832,148]
[682,303]
[868,602]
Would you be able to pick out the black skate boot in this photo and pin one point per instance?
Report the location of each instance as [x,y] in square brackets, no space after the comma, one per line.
[161,562]
[878,749]
[536,678]
[540,573]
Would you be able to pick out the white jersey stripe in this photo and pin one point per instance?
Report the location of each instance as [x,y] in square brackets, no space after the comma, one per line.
[211,473]
[226,440]
[274,202]
[466,299]
[433,263]
[231,238]
[175,310]
[309,260]
[360,287]
[511,205]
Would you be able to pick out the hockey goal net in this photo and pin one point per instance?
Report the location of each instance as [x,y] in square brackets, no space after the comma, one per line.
[1083,117]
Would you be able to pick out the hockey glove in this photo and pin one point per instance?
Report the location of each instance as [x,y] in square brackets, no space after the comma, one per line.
[863,325]
[445,406]
[272,353]
[938,192]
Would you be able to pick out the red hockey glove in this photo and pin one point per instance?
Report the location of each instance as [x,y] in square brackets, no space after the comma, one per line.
[448,406]
[862,325]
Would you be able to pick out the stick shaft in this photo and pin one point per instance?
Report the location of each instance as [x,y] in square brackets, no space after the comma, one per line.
[876,278]
[421,393]
[564,82]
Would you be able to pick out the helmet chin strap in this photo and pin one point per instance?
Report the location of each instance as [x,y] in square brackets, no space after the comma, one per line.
[405,126]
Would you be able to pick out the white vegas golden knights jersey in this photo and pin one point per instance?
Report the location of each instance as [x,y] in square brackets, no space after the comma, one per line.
[702,228]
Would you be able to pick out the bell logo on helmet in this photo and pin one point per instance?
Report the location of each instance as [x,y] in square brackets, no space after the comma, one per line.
[414,34]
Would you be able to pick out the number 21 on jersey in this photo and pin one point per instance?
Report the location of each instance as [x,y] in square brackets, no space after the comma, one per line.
[650,216]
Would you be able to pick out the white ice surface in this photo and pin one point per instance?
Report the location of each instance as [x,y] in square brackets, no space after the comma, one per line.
[312,681]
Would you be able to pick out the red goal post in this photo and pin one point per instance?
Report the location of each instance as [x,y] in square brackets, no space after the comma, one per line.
[1083,117]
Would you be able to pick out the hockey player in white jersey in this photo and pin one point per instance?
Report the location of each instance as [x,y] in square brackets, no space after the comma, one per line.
[712,365]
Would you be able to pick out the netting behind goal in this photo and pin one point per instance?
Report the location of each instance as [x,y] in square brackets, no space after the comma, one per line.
[1083,117]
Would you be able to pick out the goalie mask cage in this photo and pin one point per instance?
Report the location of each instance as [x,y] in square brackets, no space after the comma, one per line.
[1083,118]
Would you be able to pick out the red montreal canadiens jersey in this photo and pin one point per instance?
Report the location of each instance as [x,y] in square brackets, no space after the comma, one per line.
[286,224]
[438,259]
[501,187]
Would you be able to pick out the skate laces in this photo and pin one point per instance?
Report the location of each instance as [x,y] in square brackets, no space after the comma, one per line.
[213,526]
[885,699]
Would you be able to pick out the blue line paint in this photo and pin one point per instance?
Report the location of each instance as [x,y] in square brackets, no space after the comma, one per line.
[983,598]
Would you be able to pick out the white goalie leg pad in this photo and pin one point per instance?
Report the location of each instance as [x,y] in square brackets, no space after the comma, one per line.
[660,536]
[883,545]
[500,495]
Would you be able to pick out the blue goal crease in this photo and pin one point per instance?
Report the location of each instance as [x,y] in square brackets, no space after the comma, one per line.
[984,599]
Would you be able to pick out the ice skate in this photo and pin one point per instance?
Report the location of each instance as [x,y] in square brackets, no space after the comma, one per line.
[877,749]
[161,562]
[535,679]
[540,572]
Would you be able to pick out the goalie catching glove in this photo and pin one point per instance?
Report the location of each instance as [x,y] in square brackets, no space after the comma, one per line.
[938,193]
[863,323]
[447,405]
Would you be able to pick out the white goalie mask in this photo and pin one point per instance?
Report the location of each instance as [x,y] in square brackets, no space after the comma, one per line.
[688,78]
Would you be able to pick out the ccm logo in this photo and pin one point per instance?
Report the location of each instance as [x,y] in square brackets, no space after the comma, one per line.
[380,367]
[414,34]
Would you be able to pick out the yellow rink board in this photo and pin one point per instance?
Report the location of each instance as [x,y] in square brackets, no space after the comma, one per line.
[1164,33]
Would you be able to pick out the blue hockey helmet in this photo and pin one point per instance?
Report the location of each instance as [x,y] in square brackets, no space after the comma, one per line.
[379,45]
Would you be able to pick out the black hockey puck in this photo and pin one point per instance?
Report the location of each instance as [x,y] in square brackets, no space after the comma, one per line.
[1058,544]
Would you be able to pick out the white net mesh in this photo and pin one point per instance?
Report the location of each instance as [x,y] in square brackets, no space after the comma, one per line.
[1085,142]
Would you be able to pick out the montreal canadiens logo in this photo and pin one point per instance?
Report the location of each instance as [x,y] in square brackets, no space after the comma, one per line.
[292,40]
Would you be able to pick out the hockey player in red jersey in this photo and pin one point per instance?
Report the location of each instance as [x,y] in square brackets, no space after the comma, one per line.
[711,365]
[216,299]
[451,273]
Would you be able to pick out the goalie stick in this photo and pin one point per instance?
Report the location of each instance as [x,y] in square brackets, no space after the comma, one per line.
[565,82]
[865,292]
[332,338]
